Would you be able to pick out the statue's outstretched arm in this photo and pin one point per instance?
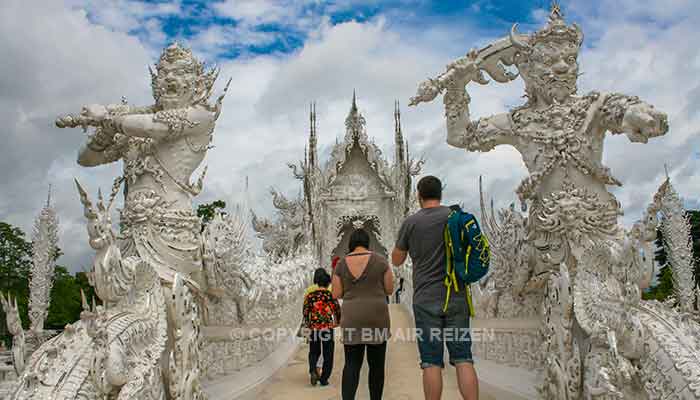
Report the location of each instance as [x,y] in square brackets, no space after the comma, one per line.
[143,125]
[165,123]
[640,121]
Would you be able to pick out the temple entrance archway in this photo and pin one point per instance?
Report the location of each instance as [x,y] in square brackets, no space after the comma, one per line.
[347,224]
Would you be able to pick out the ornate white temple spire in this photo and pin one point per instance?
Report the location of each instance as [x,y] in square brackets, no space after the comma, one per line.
[398,137]
[48,197]
[354,122]
[44,245]
[313,139]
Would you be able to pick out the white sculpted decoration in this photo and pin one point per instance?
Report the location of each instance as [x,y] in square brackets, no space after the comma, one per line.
[114,351]
[569,258]
[286,236]
[503,292]
[675,228]
[14,327]
[44,246]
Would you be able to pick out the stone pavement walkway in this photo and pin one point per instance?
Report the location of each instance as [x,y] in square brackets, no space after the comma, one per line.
[403,378]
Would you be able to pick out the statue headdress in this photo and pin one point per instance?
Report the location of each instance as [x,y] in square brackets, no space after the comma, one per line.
[203,81]
[556,30]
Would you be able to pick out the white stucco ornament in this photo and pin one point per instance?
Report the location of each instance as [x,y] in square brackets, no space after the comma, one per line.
[568,266]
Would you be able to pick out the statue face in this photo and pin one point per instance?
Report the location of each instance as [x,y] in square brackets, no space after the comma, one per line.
[175,85]
[551,70]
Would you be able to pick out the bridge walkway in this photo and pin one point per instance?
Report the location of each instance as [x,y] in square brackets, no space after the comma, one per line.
[403,376]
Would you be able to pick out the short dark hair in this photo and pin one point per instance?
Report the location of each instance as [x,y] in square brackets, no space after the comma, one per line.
[358,238]
[321,277]
[430,188]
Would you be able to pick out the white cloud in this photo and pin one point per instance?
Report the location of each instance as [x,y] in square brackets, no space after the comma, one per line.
[129,16]
[255,12]
[54,61]
[57,59]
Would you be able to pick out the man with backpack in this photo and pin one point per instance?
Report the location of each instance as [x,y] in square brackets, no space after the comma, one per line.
[448,253]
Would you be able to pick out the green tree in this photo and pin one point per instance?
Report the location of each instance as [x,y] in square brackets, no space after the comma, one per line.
[207,211]
[81,278]
[65,304]
[664,286]
[15,264]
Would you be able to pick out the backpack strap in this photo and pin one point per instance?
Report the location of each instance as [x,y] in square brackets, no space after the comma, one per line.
[467,288]
[450,276]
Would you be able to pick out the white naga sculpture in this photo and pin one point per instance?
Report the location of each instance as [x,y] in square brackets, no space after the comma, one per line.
[569,261]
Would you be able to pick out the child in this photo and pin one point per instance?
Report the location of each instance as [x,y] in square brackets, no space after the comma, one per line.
[321,315]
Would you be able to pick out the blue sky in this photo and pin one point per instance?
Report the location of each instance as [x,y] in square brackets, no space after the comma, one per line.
[59,55]
[282,35]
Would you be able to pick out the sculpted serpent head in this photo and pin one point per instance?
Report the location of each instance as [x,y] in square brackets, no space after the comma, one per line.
[548,59]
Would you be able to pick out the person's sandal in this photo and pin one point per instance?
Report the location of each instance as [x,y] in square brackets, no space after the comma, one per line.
[314,378]
[322,383]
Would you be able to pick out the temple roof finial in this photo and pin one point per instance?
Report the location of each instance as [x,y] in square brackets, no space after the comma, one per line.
[556,16]
[313,140]
[397,117]
[48,198]
[398,136]
[354,101]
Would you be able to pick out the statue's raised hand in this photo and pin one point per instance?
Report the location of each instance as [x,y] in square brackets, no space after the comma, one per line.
[642,121]
[427,91]
[458,74]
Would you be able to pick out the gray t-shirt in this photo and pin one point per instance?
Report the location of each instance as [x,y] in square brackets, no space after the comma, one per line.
[421,234]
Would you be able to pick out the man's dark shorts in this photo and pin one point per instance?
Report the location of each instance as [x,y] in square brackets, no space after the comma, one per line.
[436,328]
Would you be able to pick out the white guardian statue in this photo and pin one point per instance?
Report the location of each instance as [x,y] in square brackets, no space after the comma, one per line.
[568,265]
[155,275]
[177,296]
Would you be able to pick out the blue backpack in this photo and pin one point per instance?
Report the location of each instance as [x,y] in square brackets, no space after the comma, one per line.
[467,253]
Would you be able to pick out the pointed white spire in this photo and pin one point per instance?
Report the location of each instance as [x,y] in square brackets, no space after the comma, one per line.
[313,139]
[354,122]
[399,159]
[44,245]
[48,198]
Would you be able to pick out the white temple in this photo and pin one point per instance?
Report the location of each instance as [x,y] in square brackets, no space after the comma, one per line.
[356,188]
